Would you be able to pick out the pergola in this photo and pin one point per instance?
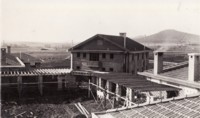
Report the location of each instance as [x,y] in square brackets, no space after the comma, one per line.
[33,77]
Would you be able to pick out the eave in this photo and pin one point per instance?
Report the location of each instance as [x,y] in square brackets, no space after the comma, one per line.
[101,51]
[186,83]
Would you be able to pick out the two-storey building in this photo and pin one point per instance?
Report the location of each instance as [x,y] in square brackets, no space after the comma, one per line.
[110,53]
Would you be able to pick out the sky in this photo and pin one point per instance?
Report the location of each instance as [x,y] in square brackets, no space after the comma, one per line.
[78,20]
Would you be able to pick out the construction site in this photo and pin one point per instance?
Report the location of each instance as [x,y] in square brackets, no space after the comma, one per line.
[109,76]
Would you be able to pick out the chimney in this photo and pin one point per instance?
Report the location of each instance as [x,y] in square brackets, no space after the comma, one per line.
[3,55]
[124,36]
[158,62]
[71,61]
[193,69]
[9,49]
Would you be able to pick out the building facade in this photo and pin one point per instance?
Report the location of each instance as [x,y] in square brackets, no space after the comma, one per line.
[110,53]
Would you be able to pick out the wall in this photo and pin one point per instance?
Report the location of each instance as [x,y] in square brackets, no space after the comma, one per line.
[138,62]
[134,62]
[116,63]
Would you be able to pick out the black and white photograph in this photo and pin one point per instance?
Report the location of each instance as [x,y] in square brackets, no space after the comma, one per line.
[100,59]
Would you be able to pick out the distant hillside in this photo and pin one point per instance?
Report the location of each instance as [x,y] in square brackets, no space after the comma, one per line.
[37,46]
[170,37]
[171,40]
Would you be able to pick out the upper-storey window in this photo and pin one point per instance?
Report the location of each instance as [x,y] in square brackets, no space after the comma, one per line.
[94,57]
[78,54]
[111,69]
[111,56]
[104,55]
[132,56]
[142,55]
[84,55]
[138,56]
[103,69]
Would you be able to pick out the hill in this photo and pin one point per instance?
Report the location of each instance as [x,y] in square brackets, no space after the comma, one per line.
[171,40]
[170,37]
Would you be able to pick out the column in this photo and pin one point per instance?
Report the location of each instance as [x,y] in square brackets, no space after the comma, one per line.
[108,88]
[40,84]
[59,78]
[66,80]
[89,88]
[130,96]
[19,87]
[99,82]
[118,91]
[127,97]
[135,63]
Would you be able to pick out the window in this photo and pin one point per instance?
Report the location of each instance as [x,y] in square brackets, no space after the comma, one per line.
[142,55]
[94,57]
[111,56]
[78,54]
[138,56]
[84,55]
[78,67]
[111,69]
[103,69]
[103,55]
[99,42]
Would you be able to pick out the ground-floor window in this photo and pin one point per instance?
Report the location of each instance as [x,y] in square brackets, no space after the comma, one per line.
[78,67]
[111,69]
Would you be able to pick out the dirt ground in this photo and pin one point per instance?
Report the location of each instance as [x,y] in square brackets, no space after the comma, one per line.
[53,104]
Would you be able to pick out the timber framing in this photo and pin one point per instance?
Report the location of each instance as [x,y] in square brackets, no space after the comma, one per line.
[34,72]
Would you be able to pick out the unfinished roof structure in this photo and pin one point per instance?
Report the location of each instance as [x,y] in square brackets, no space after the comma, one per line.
[136,83]
[177,107]
[35,72]
[184,74]
[26,58]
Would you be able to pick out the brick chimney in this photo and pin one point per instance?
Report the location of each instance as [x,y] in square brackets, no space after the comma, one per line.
[3,55]
[193,69]
[9,49]
[158,62]
[124,36]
